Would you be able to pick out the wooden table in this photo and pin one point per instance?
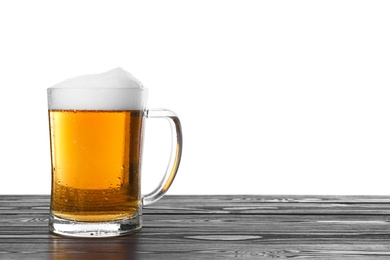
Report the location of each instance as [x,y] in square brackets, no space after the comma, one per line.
[210,227]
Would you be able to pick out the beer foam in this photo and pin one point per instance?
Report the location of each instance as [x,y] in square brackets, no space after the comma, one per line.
[116,89]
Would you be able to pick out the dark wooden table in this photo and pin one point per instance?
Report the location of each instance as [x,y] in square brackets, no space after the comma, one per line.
[210,227]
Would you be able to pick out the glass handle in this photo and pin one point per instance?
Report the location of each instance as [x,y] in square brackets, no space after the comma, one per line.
[174,161]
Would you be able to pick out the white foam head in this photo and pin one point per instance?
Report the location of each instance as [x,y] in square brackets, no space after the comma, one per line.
[112,90]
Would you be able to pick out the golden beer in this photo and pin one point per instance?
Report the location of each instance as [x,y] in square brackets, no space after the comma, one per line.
[96,137]
[96,162]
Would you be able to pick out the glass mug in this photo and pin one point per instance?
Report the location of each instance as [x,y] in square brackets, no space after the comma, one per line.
[96,138]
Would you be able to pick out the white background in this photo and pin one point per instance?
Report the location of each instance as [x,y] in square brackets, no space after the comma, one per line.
[275,97]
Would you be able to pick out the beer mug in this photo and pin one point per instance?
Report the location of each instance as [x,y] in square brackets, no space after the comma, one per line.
[96,138]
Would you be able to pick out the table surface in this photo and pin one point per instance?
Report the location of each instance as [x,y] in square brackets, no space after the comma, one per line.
[210,227]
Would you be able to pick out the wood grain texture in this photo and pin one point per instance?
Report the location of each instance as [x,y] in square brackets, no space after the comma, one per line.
[213,227]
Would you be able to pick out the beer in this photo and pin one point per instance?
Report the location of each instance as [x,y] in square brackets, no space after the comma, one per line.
[96,136]
[96,159]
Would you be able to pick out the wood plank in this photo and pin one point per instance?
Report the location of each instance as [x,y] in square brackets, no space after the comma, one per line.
[212,227]
[251,204]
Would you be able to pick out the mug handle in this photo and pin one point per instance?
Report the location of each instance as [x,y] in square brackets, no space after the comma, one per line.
[174,161]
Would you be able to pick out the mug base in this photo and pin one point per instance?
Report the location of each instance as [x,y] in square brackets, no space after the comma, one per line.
[67,227]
